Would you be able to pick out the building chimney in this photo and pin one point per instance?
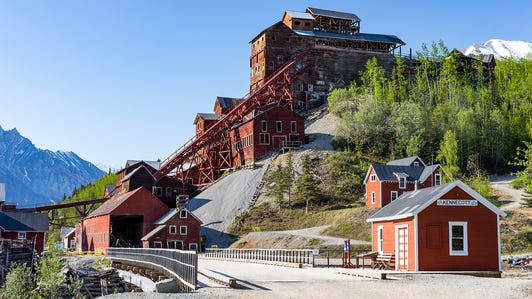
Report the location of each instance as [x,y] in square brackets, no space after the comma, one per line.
[182,202]
[416,185]
[2,192]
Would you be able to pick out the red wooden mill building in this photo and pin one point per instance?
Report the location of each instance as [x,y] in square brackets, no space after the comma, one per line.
[448,227]
[293,65]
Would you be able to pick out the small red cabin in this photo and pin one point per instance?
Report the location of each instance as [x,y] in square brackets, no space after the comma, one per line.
[442,228]
[178,229]
[385,183]
[25,227]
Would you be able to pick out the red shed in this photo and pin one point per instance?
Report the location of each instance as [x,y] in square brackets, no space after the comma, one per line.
[178,228]
[26,227]
[121,221]
[443,228]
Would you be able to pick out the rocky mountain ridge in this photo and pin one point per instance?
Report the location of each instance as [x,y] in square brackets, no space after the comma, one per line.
[36,176]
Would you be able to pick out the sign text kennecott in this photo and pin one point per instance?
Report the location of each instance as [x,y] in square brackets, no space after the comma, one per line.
[457,202]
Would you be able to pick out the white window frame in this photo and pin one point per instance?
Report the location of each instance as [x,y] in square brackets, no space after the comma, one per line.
[391,195]
[403,185]
[373,197]
[437,179]
[264,138]
[183,215]
[278,126]
[464,251]
[380,238]
[416,163]
[373,178]
[22,236]
[193,246]
[157,242]
[157,191]
[293,126]
[183,230]
[264,126]
[172,230]
[174,242]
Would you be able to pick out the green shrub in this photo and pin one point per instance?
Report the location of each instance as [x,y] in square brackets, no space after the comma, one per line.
[18,283]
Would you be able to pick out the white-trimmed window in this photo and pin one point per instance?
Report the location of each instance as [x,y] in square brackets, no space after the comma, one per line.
[437,179]
[416,163]
[279,126]
[157,191]
[293,126]
[264,138]
[174,244]
[380,238]
[193,246]
[183,230]
[402,182]
[183,213]
[458,238]
[264,126]
[373,197]
[157,244]
[172,230]
[373,178]
[393,195]
[22,235]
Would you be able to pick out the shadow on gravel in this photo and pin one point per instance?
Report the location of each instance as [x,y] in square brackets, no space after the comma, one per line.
[196,203]
[243,284]
[216,237]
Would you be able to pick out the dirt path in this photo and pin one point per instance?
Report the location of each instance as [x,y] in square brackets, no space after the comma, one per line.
[307,237]
[511,197]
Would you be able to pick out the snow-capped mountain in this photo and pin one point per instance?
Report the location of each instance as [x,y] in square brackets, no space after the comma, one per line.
[501,49]
[35,176]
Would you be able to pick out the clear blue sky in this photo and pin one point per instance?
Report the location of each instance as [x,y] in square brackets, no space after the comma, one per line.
[117,80]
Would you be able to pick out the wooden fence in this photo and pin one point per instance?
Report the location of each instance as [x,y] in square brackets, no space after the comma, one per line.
[296,256]
[183,265]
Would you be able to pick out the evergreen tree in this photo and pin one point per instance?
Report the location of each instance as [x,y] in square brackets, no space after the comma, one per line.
[307,186]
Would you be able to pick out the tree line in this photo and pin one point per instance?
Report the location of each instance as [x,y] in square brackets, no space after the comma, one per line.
[451,110]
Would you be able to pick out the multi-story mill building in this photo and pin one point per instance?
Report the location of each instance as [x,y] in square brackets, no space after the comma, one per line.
[340,51]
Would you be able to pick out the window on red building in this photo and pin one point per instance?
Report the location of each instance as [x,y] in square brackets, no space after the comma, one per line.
[264,138]
[457,238]
[172,230]
[183,230]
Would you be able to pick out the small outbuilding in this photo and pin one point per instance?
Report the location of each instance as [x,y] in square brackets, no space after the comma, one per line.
[29,228]
[448,227]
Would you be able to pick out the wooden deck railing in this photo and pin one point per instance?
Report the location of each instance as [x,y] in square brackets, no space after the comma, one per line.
[183,265]
[296,256]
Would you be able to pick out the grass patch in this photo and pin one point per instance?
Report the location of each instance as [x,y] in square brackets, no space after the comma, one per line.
[516,231]
[349,223]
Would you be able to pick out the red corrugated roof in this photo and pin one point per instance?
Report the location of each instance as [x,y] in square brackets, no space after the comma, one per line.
[113,203]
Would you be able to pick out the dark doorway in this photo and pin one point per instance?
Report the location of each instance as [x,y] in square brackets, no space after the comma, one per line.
[126,230]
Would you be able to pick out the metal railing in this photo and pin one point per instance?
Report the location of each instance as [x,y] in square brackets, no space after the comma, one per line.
[334,258]
[296,256]
[183,265]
